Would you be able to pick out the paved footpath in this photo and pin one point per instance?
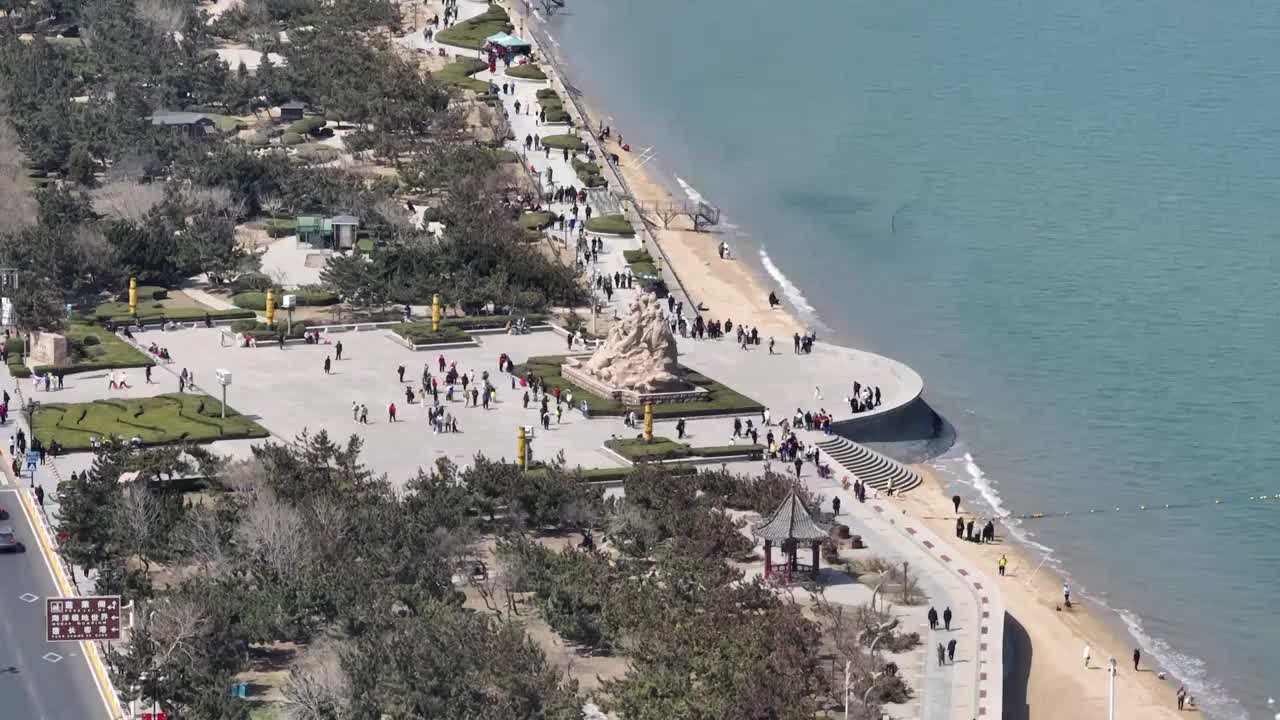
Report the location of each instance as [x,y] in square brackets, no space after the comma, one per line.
[560,169]
[971,687]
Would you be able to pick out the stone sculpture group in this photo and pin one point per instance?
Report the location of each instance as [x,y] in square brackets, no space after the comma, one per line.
[639,354]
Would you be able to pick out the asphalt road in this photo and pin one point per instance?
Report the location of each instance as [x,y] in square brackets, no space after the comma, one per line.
[34,684]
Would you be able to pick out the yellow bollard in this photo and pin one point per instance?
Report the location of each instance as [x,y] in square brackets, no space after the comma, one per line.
[435,312]
[271,308]
[133,296]
[521,445]
[648,422]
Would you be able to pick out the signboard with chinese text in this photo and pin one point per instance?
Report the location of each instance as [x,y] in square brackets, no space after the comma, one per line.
[82,618]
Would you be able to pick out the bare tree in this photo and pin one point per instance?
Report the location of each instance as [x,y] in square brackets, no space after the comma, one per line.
[166,16]
[126,199]
[202,539]
[319,688]
[275,533]
[173,626]
[140,520]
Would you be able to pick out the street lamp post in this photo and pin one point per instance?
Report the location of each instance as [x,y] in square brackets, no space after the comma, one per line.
[1111,689]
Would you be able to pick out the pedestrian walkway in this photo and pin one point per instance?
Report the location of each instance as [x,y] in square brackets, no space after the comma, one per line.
[972,686]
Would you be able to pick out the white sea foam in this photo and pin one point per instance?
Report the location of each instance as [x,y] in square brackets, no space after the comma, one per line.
[1187,669]
[789,289]
[693,195]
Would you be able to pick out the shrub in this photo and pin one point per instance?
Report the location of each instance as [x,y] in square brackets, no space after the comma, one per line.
[610,225]
[527,72]
[90,341]
[251,281]
[278,228]
[259,140]
[290,138]
[240,326]
[559,142]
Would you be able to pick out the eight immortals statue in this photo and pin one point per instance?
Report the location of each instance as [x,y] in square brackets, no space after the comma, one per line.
[640,352]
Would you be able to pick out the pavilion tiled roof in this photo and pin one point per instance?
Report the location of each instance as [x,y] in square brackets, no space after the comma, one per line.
[791,521]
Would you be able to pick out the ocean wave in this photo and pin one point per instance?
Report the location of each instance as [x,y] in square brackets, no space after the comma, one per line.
[1187,669]
[789,289]
[693,195]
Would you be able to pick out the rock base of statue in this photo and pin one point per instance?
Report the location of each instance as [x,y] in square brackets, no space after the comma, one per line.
[48,349]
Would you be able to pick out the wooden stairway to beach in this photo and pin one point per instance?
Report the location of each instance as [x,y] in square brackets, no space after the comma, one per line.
[870,466]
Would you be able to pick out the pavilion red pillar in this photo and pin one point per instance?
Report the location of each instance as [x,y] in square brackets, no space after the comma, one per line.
[768,558]
[815,559]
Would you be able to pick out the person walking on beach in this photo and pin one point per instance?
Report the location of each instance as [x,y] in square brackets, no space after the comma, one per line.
[933,618]
[942,655]
[1087,652]
[337,350]
[391,412]
[1137,657]
[951,651]
[1004,562]
[1066,594]
[946,618]
[959,527]
[1182,692]
[327,364]
[955,500]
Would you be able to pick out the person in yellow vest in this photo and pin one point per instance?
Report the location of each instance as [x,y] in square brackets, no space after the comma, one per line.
[1004,562]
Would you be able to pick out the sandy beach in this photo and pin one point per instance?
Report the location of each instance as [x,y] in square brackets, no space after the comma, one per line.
[1049,681]
[723,288]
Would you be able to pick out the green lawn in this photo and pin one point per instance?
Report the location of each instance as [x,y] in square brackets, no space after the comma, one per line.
[535,220]
[151,312]
[104,351]
[637,450]
[227,123]
[471,33]
[459,72]
[588,173]
[559,142]
[721,399]
[640,262]
[527,72]
[158,420]
[551,103]
[611,224]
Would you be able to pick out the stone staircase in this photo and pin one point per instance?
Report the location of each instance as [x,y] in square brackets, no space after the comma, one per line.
[870,466]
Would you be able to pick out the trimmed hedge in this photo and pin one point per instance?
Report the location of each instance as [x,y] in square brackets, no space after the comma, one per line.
[420,333]
[588,173]
[662,448]
[527,72]
[560,142]
[263,333]
[290,138]
[307,297]
[281,227]
[145,293]
[177,315]
[640,262]
[610,225]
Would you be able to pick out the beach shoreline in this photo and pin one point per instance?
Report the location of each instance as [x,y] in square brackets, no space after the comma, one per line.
[1046,639]
[1045,677]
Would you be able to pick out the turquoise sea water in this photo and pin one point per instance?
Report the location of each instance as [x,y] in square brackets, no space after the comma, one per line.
[1066,216]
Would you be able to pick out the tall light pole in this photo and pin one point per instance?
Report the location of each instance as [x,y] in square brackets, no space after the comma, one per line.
[848,670]
[1111,689]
